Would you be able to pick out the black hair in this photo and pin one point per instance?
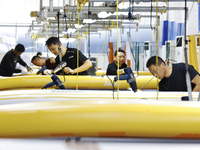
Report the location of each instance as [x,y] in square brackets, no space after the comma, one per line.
[52,40]
[119,50]
[38,53]
[152,61]
[20,48]
[34,58]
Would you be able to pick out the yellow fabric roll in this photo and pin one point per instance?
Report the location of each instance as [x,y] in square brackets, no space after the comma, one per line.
[193,52]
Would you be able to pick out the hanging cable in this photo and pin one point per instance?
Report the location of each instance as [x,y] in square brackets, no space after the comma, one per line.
[186,58]
[131,7]
[146,83]
[132,2]
[112,82]
[78,10]
[58,16]
[157,48]
[117,55]
[60,55]
[129,10]
[65,19]
[89,14]
[167,31]
[151,15]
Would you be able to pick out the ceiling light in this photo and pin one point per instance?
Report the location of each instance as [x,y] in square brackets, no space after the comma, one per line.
[103,14]
[123,5]
[88,21]
[70,30]
[78,26]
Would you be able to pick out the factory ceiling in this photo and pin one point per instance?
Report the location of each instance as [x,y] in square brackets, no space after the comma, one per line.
[89,16]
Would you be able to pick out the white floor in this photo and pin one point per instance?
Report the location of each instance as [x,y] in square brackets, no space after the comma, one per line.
[99,144]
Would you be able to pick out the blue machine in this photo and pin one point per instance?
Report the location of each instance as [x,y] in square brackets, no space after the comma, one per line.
[54,77]
[56,81]
[129,77]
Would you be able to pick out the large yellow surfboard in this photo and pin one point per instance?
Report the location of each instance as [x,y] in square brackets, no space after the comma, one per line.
[101,118]
[73,82]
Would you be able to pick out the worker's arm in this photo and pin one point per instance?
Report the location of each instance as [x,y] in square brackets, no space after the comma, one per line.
[196,80]
[85,66]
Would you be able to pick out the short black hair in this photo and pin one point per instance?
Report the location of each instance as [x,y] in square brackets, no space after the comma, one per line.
[52,40]
[38,53]
[119,50]
[34,58]
[20,48]
[152,61]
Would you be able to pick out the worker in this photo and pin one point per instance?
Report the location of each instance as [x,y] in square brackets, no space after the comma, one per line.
[173,77]
[113,67]
[10,59]
[69,55]
[49,63]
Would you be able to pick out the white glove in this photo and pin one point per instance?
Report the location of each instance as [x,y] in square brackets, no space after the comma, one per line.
[29,68]
[24,72]
[47,72]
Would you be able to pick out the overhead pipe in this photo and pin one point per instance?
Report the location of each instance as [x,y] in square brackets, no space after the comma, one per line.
[113,9]
[110,9]
[138,1]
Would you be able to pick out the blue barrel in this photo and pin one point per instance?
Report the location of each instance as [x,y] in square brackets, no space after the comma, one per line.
[165,32]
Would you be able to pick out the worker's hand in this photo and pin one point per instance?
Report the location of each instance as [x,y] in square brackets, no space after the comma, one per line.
[29,69]
[68,70]
[24,72]
[52,60]
[47,72]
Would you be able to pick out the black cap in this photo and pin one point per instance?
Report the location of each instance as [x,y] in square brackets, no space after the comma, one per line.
[19,48]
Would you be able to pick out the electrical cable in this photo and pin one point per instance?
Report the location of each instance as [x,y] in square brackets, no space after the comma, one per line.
[129,33]
[77,46]
[112,86]
[151,15]
[60,55]
[65,19]
[157,48]
[188,82]
[131,47]
[117,53]
[146,83]
[167,28]
[191,9]
[89,14]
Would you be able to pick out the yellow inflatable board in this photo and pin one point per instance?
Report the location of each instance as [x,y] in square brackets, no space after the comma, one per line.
[14,96]
[101,118]
[73,81]
[140,73]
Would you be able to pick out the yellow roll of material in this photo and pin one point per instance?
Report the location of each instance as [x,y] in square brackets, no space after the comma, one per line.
[84,82]
[90,118]
[193,53]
